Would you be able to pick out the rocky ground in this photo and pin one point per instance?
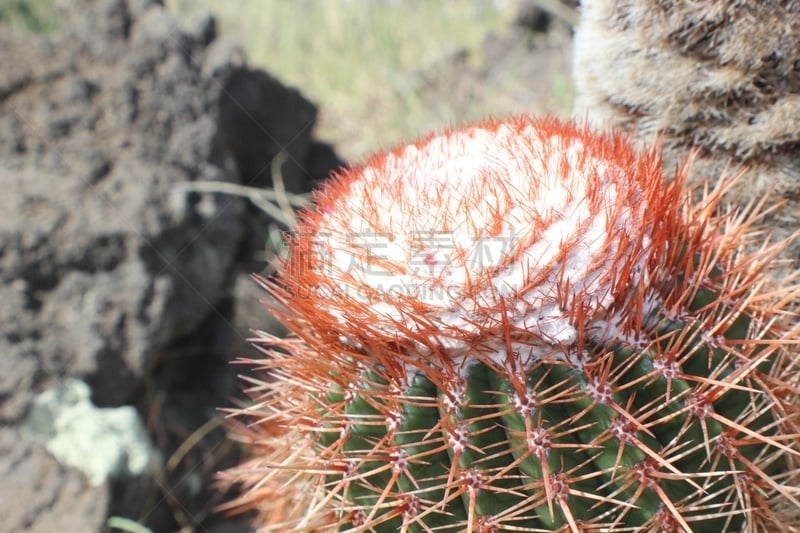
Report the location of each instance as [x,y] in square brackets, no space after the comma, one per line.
[124,293]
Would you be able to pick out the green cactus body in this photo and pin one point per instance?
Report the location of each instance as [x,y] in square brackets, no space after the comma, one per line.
[639,374]
[617,433]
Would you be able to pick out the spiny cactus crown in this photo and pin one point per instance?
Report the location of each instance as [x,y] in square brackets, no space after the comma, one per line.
[433,236]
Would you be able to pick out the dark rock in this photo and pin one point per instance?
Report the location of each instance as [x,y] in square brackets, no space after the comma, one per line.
[110,271]
[118,261]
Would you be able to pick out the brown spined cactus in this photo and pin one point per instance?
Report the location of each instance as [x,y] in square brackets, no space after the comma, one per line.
[721,77]
[522,326]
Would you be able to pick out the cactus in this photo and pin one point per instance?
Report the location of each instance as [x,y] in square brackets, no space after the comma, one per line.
[719,76]
[522,326]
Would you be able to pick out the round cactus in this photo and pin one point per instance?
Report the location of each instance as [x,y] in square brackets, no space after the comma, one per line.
[522,326]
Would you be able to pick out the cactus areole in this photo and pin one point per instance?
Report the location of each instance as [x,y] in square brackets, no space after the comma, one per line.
[523,326]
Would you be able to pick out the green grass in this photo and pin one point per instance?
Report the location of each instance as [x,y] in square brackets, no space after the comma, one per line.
[367,63]
[33,15]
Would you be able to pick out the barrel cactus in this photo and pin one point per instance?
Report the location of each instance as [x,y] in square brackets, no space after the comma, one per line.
[522,326]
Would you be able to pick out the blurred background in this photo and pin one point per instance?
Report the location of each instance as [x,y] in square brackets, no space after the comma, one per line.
[384,71]
[152,155]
